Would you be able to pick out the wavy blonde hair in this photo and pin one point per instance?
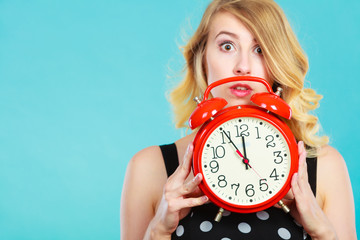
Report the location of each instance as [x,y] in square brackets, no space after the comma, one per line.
[285,60]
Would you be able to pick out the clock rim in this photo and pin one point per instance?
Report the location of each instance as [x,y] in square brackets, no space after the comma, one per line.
[236,112]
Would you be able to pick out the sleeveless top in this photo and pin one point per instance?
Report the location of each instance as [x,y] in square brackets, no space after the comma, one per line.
[272,223]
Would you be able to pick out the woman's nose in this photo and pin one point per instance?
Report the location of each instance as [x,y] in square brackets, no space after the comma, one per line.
[242,66]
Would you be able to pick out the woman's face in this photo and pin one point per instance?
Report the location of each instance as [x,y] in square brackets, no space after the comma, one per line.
[232,50]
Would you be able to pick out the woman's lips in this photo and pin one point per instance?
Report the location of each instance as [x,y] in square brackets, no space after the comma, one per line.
[240,90]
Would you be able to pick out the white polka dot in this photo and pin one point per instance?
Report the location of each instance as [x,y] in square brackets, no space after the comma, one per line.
[244,227]
[192,214]
[179,231]
[284,233]
[263,215]
[226,213]
[225,239]
[205,226]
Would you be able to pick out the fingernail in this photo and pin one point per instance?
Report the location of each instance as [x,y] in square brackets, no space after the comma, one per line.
[205,198]
[197,177]
[188,147]
[295,176]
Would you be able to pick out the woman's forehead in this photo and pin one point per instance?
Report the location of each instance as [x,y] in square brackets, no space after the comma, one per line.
[228,24]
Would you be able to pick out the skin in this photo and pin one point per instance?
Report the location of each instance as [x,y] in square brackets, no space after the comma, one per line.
[153,204]
[233,51]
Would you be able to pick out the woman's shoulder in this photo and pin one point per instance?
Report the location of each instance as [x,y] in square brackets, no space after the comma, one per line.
[330,158]
[335,191]
[332,172]
[330,162]
[148,161]
[147,154]
[144,179]
[151,158]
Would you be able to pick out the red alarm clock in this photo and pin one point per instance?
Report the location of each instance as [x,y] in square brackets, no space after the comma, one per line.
[246,154]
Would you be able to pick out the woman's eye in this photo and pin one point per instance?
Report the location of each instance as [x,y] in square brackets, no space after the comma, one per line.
[258,50]
[227,47]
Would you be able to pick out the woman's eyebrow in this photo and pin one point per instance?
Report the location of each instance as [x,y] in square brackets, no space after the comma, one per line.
[227,33]
[234,35]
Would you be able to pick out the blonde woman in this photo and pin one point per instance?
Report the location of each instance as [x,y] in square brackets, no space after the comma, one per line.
[240,38]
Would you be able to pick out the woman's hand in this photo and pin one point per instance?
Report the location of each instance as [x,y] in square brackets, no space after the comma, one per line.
[178,198]
[304,207]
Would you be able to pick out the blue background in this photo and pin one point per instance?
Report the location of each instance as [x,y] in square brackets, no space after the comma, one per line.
[82,89]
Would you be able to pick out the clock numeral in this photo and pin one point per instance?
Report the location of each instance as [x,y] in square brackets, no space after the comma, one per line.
[237,185]
[270,139]
[278,158]
[214,165]
[222,182]
[218,152]
[242,130]
[257,133]
[225,137]
[249,190]
[274,175]
[263,185]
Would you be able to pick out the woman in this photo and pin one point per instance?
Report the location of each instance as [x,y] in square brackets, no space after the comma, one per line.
[240,38]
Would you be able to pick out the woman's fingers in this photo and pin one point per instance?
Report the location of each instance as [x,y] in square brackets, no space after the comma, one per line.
[184,168]
[182,171]
[295,186]
[302,162]
[178,204]
[300,181]
[190,186]
[177,186]
[180,195]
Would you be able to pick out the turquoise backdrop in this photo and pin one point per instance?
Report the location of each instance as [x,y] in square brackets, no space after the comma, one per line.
[82,89]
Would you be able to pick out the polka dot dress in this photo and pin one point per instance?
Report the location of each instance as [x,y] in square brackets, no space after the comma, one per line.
[272,223]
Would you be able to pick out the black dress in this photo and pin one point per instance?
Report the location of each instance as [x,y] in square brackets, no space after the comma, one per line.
[271,223]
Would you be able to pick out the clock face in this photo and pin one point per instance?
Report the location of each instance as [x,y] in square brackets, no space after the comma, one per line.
[245,161]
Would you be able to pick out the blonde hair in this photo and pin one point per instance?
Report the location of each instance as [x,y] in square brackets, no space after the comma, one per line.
[285,60]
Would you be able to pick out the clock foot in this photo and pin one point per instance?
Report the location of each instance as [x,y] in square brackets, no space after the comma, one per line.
[219,215]
[284,207]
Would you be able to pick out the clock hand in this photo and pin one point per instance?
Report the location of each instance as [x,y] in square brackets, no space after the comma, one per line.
[253,169]
[283,206]
[245,160]
[243,144]
[244,151]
